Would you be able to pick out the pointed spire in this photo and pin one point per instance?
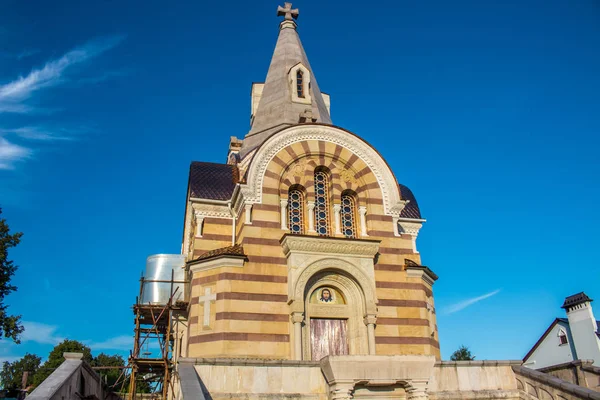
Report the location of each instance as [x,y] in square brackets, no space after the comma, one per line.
[291,94]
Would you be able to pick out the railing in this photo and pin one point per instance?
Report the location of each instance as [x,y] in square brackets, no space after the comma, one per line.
[538,385]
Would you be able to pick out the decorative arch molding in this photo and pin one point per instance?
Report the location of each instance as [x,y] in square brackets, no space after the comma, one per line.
[252,189]
[343,268]
[353,311]
[338,279]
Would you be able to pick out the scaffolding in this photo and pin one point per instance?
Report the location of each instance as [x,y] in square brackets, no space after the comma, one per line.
[154,325]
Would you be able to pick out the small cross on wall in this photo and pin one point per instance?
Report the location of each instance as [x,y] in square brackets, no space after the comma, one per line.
[207,299]
[287,12]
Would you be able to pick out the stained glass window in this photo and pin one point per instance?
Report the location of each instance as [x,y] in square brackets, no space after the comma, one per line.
[348,216]
[322,203]
[300,83]
[296,211]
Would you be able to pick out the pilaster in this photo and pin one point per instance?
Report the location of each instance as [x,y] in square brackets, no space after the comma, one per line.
[283,203]
[417,390]
[311,216]
[341,391]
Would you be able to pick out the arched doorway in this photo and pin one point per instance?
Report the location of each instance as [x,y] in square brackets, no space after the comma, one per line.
[334,308]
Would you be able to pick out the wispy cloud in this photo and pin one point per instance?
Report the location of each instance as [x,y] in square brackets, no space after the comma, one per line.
[104,76]
[11,154]
[40,333]
[27,53]
[14,93]
[18,97]
[122,342]
[461,305]
[19,56]
[44,133]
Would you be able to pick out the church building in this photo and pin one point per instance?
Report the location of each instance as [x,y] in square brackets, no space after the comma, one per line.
[305,279]
[303,244]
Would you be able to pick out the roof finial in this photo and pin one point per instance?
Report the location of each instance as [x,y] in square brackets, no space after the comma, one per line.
[287,12]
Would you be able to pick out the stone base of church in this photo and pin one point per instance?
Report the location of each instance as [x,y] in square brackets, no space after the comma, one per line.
[250,379]
[377,376]
[346,377]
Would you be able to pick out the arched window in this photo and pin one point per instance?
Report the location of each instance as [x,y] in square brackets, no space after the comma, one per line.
[562,337]
[348,215]
[322,202]
[300,83]
[296,211]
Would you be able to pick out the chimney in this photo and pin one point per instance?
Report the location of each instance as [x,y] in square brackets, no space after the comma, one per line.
[584,327]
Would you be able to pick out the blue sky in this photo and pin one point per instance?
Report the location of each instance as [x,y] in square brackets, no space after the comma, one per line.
[488,111]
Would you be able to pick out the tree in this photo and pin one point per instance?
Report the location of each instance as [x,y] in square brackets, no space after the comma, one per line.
[462,354]
[117,379]
[12,373]
[112,376]
[55,358]
[10,325]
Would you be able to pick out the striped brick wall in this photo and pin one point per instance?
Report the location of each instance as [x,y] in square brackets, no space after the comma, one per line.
[250,316]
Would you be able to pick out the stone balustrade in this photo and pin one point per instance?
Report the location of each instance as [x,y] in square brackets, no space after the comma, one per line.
[534,385]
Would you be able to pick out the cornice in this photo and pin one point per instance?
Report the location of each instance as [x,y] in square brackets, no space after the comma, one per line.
[421,271]
[411,228]
[211,210]
[216,262]
[331,246]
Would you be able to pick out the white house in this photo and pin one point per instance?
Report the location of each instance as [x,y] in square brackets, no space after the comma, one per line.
[568,339]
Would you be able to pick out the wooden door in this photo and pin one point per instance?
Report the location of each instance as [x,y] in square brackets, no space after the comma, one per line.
[328,337]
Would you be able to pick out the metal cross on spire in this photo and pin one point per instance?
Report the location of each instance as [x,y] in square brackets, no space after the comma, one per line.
[287,12]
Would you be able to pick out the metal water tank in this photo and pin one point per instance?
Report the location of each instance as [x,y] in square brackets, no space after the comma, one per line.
[161,267]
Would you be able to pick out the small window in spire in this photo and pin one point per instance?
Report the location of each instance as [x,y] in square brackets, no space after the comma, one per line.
[300,83]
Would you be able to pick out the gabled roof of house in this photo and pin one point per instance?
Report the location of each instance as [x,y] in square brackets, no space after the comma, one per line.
[541,339]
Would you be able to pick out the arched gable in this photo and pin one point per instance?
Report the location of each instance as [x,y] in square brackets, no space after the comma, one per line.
[343,268]
[252,189]
[301,171]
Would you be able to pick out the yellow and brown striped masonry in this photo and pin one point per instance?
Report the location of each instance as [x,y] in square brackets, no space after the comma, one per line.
[246,337]
[332,156]
[250,316]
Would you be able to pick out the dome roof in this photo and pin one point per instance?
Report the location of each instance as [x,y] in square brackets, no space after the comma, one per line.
[412,208]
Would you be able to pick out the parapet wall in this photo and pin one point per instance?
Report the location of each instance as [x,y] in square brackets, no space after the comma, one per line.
[538,385]
[370,377]
[473,380]
[220,379]
[578,372]
[74,379]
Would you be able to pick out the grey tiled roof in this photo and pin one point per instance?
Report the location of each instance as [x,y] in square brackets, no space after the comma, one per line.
[412,208]
[212,180]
